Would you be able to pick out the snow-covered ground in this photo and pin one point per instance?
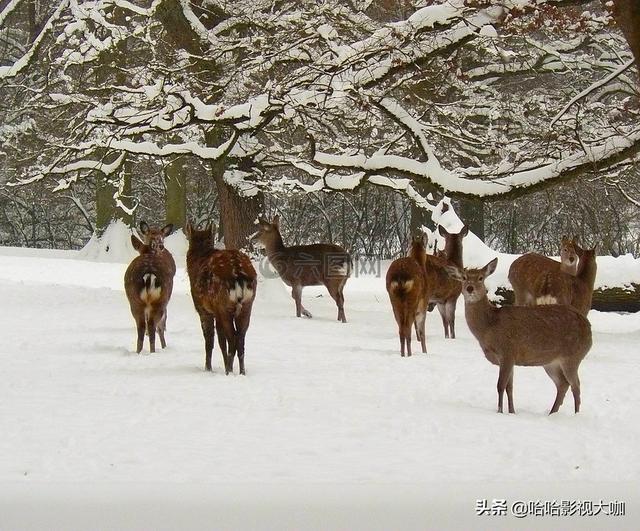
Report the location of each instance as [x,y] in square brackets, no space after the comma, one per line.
[330,428]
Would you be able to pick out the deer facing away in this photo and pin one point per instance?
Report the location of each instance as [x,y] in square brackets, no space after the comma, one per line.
[148,282]
[306,265]
[556,287]
[444,291]
[223,288]
[526,270]
[407,287]
[555,337]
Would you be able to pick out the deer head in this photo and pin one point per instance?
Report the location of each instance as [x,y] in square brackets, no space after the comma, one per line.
[473,288]
[570,252]
[268,233]
[203,239]
[153,237]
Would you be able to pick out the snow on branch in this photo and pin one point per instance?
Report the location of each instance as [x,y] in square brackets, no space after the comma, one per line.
[90,165]
[591,88]
[9,8]
[153,149]
[20,64]
[453,182]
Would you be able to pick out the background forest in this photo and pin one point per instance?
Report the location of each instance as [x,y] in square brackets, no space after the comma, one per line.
[350,119]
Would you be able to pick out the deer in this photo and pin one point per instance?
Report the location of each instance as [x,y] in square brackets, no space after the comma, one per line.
[306,265]
[528,268]
[153,236]
[223,288]
[444,291]
[552,336]
[406,284]
[148,283]
[557,287]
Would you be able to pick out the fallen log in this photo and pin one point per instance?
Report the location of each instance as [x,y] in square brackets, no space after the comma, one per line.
[616,299]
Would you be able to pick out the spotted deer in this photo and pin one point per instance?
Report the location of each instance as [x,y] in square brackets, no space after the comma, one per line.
[408,292]
[223,288]
[154,237]
[306,265]
[554,337]
[444,291]
[527,270]
[557,287]
[148,283]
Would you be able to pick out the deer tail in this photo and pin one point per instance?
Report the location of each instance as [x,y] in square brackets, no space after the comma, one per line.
[544,295]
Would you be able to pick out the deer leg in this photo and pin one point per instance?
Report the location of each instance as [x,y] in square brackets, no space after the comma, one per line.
[222,341]
[242,325]
[505,374]
[510,393]
[407,321]
[571,374]
[340,301]
[151,330]
[442,309]
[335,290]
[208,331]
[227,328]
[450,308]
[555,373]
[421,318]
[141,325]
[162,325]
[296,293]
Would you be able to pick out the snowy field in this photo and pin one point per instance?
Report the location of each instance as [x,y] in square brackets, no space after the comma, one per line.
[330,428]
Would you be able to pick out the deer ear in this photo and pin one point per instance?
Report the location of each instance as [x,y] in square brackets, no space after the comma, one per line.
[167,229]
[454,272]
[276,221]
[464,231]
[490,267]
[135,241]
[442,231]
[188,230]
[144,227]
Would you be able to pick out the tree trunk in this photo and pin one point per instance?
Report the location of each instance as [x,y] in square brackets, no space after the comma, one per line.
[420,216]
[627,15]
[106,210]
[471,212]
[237,213]
[176,193]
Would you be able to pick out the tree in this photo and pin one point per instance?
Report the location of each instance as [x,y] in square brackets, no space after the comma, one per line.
[463,97]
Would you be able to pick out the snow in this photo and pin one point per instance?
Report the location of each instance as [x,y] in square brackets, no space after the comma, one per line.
[324,406]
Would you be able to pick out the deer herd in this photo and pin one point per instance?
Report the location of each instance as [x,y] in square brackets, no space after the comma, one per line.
[546,326]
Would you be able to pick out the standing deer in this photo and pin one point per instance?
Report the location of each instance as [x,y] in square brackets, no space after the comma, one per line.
[555,337]
[306,265]
[154,238]
[528,268]
[148,282]
[407,287]
[223,288]
[556,287]
[444,291]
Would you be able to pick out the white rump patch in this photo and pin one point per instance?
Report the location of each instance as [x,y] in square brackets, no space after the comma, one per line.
[240,294]
[154,292]
[546,299]
[248,293]
[407,285]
